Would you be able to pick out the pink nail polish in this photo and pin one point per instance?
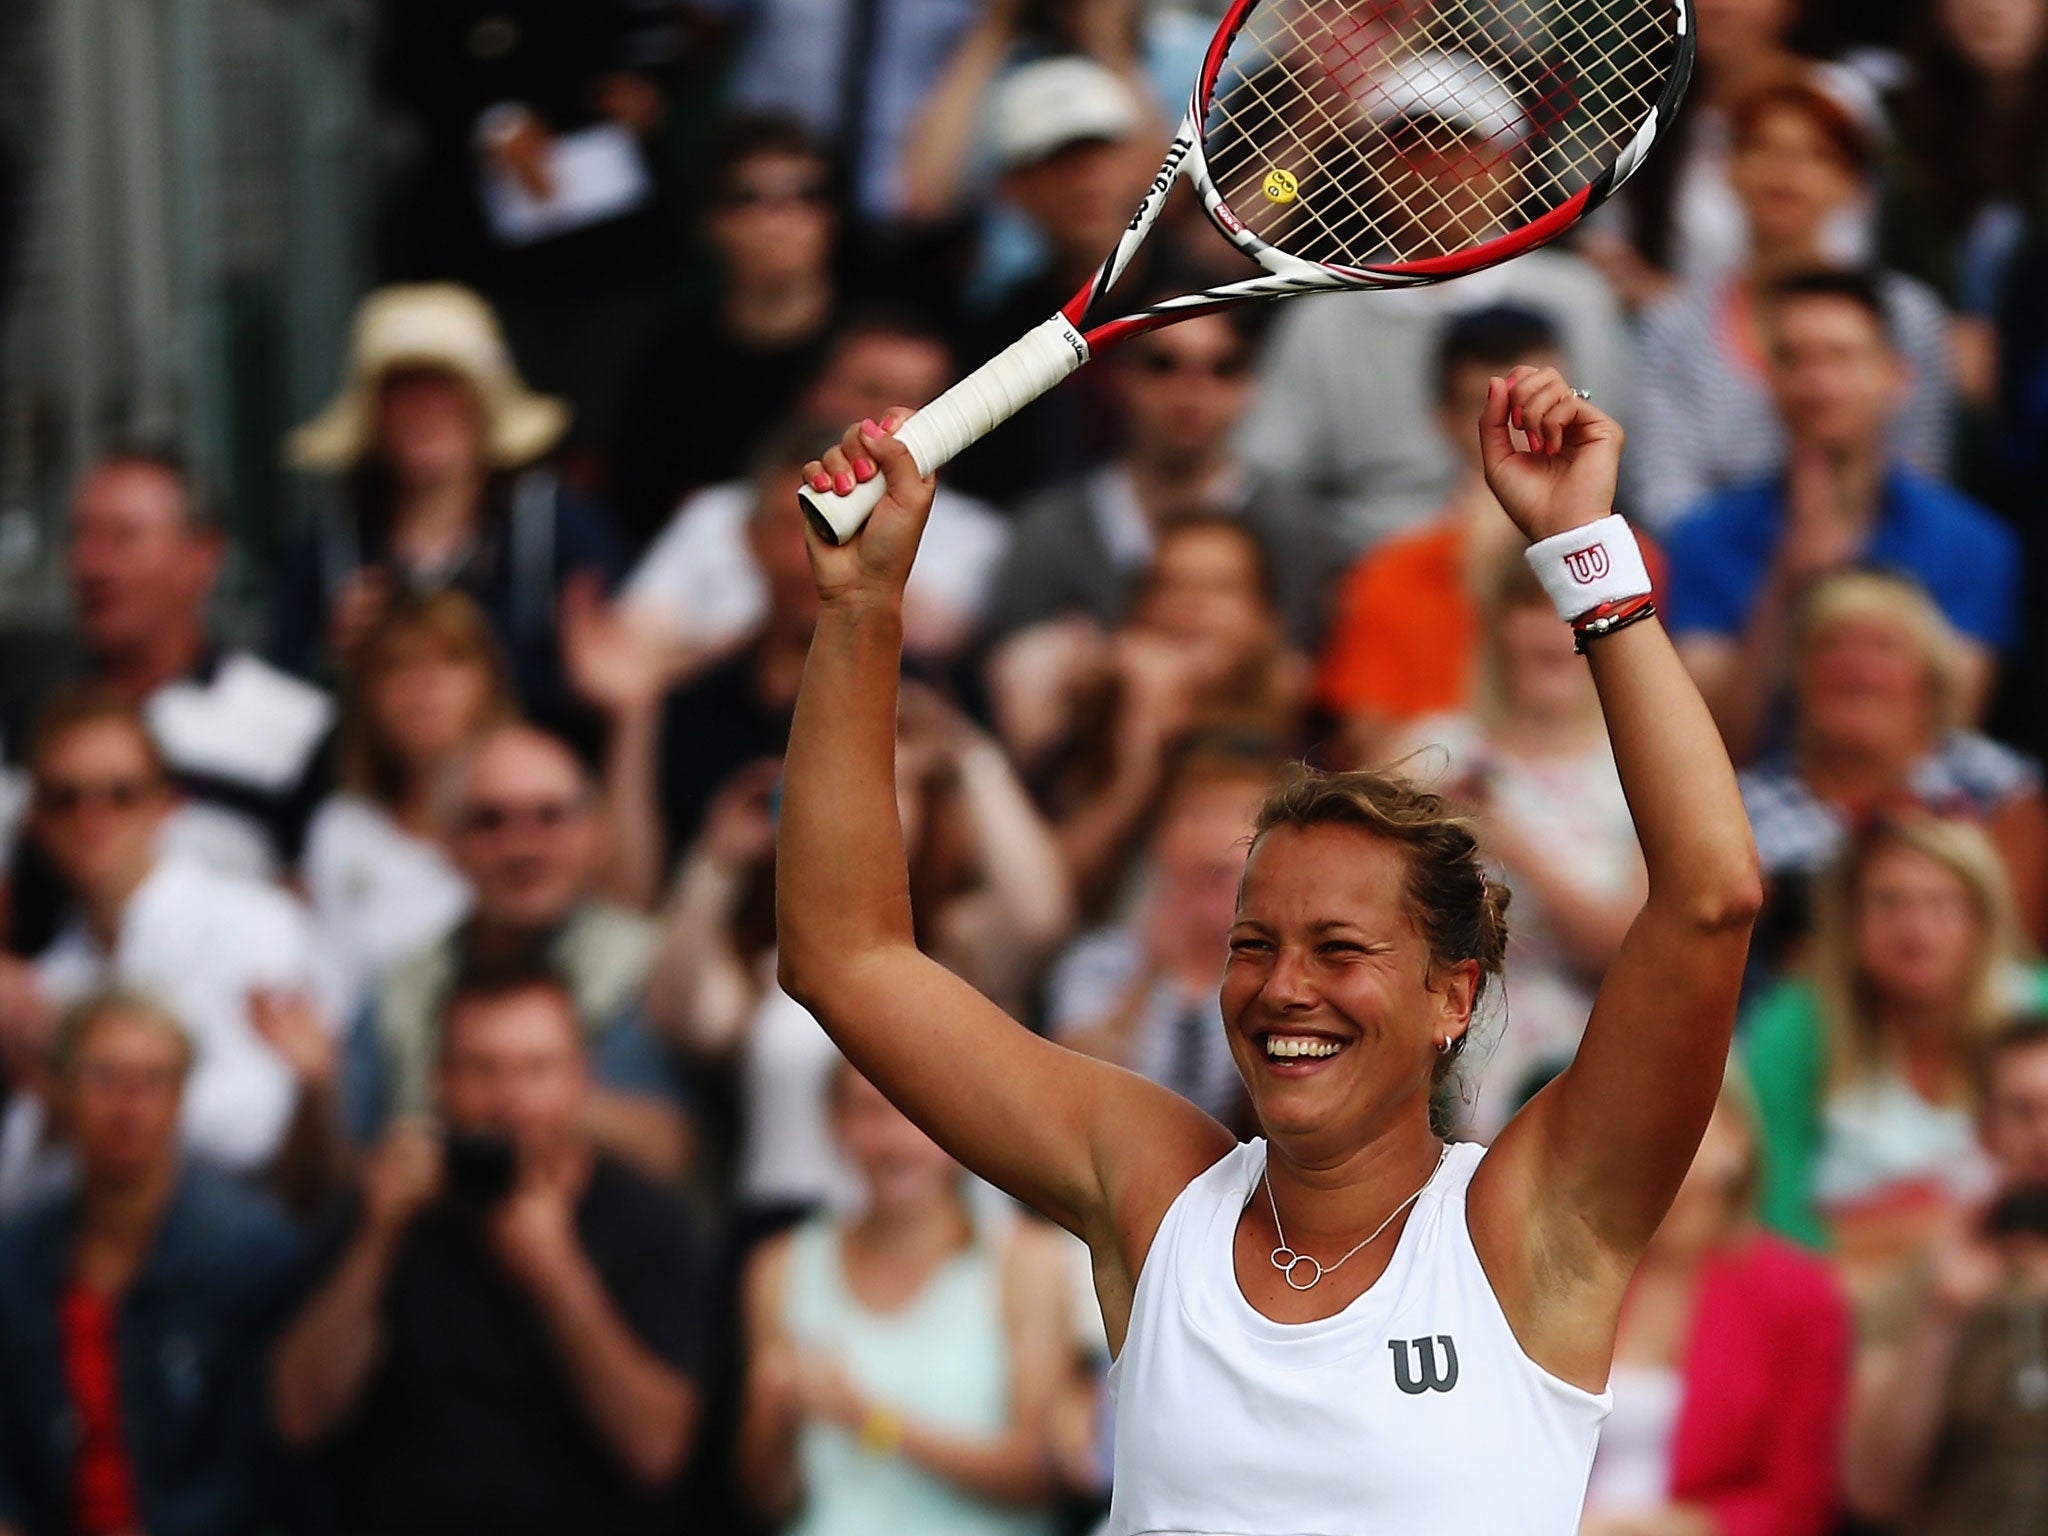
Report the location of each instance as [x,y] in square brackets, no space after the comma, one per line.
[863,469]
[870,428]
[842,483]
[821,481]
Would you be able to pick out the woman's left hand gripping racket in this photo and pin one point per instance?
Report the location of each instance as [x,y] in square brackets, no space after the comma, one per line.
[1358,144]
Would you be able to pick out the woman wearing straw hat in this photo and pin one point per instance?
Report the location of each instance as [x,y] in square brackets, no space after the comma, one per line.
[436,441]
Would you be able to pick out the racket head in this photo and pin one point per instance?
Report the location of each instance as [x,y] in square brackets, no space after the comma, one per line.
[1386,143]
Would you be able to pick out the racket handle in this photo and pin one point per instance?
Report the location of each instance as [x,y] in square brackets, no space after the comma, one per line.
[969,411]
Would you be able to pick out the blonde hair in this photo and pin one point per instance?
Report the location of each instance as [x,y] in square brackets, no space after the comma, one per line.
[1854,1049]
[1903,606]
[86,1014]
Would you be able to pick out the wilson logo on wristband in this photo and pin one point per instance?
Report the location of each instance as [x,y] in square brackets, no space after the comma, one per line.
[1588,565]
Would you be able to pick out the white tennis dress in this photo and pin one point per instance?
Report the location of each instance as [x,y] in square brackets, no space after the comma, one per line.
[1413,1412]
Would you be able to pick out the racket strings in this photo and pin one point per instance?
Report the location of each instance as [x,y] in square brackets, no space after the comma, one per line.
[1396,130]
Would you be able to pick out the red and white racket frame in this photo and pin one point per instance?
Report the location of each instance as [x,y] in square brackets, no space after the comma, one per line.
[1046,354]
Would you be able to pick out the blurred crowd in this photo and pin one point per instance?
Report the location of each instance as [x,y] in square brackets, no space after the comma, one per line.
[401,1128]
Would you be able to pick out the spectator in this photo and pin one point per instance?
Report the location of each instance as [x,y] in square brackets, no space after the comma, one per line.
[1405,632]
[853,76]
[428,680]
[1144,992]
[901,1361]
[1347,406]
[1705,421]
[511,1336]
[215,946]
[701,390]
[739,710]
[1745,556]
[1082,546]
[246,745]
[1971,183]
[436,439]
[997,902]
[1678,221]
[1098,719]
[944,152]
[1533,762]
[1874,681]
[1864,1068]
[699,589]
[1731,1372]
[1075,144]
[1951,1421]
[135,1311]
[528,837]
[535,180]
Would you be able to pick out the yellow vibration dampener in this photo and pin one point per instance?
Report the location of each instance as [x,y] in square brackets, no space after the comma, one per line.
[1280,186]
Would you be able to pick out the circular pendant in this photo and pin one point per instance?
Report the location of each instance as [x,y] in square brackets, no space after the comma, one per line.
[1287,1261]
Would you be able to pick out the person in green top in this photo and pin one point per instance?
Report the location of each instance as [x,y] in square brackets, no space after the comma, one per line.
[1864,1066]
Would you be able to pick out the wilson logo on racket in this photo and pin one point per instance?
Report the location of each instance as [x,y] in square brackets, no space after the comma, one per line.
[1168,169]
[1588,565]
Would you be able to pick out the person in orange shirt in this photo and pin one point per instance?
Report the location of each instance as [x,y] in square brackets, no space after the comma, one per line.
[1406,632]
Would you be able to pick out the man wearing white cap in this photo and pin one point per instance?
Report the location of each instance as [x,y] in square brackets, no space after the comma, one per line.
[1346,406]
[1074,143]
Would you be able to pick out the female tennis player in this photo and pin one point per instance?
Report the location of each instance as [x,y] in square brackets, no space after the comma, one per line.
[1348,1326]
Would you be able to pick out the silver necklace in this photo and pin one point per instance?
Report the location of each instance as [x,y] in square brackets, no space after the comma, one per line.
[1287,1261]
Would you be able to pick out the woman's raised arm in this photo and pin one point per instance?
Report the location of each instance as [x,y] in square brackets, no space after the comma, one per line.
[1581,1178]
[1097,1149]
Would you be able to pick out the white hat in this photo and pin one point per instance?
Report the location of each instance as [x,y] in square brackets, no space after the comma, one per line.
[430,325]
[1046,106]
[1455,89]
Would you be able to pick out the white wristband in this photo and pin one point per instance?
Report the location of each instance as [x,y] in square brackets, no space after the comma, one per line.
[1585,567]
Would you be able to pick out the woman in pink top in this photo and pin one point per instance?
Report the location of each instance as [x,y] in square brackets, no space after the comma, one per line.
[1731,1370]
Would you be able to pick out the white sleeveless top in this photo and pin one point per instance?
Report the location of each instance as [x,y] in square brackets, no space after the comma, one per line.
[1412,1410]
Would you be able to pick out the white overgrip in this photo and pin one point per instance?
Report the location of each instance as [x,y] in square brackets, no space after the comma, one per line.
[969,411]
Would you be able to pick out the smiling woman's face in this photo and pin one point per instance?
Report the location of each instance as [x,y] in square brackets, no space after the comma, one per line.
[1329,997]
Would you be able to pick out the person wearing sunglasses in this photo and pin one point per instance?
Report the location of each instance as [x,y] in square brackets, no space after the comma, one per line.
[702,390]
[529,836]
[225,952]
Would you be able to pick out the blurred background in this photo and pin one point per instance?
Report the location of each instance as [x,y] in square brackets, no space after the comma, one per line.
[402,601]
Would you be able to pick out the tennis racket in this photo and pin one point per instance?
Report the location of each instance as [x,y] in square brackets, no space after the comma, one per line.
[1345,144]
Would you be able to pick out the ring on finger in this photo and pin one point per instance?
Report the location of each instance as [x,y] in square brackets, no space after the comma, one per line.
[1582,394]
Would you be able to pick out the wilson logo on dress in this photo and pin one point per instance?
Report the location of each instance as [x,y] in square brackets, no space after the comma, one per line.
[1427,1378]
[1588,565]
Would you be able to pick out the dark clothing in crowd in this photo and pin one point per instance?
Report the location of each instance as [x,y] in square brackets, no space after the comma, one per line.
[709,731]
[2022,488]
[571,301]
[1988,1469]
[161,1408]
[1058,437]
[471,1423]
[445,63]
[694,405]
[536,535]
